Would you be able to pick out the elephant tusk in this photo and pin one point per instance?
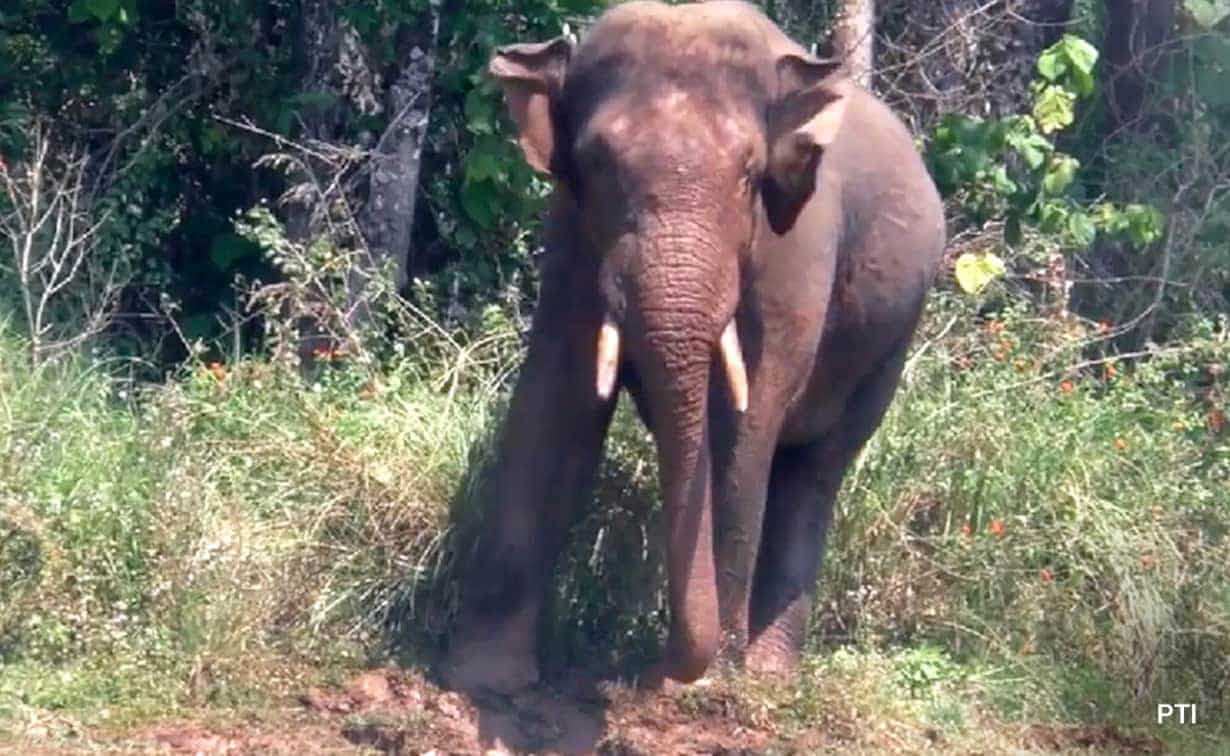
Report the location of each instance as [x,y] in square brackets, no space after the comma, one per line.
[736,372]
[608,359]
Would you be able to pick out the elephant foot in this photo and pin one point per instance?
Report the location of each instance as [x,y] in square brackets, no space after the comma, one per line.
[476,670]
[771,656]
[658,680]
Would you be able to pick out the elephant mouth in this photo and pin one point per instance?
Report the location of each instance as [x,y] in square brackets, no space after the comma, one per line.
[728,347]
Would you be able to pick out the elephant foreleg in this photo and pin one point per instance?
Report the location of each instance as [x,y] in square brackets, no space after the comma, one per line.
[549,451]
[802,488]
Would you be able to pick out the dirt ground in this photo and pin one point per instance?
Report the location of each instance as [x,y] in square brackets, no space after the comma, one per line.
[397,711]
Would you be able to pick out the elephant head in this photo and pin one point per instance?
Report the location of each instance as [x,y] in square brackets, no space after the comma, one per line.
[674,140]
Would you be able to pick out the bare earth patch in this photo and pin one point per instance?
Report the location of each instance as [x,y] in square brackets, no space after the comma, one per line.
[399,712]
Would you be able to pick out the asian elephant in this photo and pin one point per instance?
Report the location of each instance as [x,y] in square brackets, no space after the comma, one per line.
[742,238]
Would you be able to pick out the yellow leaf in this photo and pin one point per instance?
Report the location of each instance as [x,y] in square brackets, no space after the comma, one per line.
[975,271]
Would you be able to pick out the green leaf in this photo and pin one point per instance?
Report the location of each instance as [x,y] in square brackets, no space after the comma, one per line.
[1060,174]
[974,271]
[102,9]
[1144,224]
[78,12]
[479,112]
[1082,55]
[1082,81]
[1081,228]
[1051,64]
[1207,13]
[479,200]
[1053,108]
[1033,148]
[481,165]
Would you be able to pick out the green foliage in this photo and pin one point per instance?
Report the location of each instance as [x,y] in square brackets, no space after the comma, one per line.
[1010,168]
[1021,503]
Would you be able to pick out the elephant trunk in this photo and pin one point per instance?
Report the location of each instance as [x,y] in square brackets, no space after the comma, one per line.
[680,310]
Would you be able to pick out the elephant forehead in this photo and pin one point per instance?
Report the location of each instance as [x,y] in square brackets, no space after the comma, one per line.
[671,118]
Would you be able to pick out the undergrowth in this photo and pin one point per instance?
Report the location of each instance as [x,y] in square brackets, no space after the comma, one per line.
[1034,520]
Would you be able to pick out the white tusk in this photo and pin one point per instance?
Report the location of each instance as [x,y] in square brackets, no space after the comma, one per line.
[608,359]
[736,372]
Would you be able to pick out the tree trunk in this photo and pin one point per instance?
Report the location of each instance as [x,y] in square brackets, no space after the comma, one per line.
[388,216]
[335,59]
[854,38]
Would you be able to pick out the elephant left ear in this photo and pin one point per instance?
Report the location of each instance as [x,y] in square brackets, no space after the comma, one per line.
[804,119]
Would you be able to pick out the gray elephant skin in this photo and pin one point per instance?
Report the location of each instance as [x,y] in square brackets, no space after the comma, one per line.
[743,239]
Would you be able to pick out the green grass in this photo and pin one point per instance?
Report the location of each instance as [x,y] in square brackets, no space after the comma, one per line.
[1009,548]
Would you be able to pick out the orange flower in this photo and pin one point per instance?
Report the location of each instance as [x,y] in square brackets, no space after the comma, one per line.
[1216,420]
[1120,444]
[997,355]
[1021,364]
[1046,575]
[1108,370]
[218,371]
[996,528]
[1065,387]
[995,326]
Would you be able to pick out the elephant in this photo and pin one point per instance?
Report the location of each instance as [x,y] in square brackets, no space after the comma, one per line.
[741,237]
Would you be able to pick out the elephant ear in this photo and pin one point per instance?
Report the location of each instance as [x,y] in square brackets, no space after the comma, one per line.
[532,76]
[804,118]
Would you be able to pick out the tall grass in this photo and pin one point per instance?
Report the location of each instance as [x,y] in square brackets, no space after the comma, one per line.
[187,543]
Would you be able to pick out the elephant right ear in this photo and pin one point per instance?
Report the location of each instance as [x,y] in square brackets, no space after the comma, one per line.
[532,75]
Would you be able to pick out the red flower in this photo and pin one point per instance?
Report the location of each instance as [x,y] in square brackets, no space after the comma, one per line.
[1066,387]
[1046,575]
[996,528]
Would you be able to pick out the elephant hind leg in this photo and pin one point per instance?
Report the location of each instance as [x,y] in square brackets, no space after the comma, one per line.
[802,488]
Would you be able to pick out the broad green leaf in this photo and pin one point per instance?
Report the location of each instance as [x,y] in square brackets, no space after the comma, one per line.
[1081,228]
[479,199]
[1082,81]
[480,165]
[1051,64]
[1033,148]
[975,271]
[1144,224]
[102,9]
[79,12]
[1082,55]
[1207,13]
[1059,174]
[1053,108]
[479,112]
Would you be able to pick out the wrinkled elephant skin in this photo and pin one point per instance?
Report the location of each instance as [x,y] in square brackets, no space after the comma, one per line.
[743,239]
